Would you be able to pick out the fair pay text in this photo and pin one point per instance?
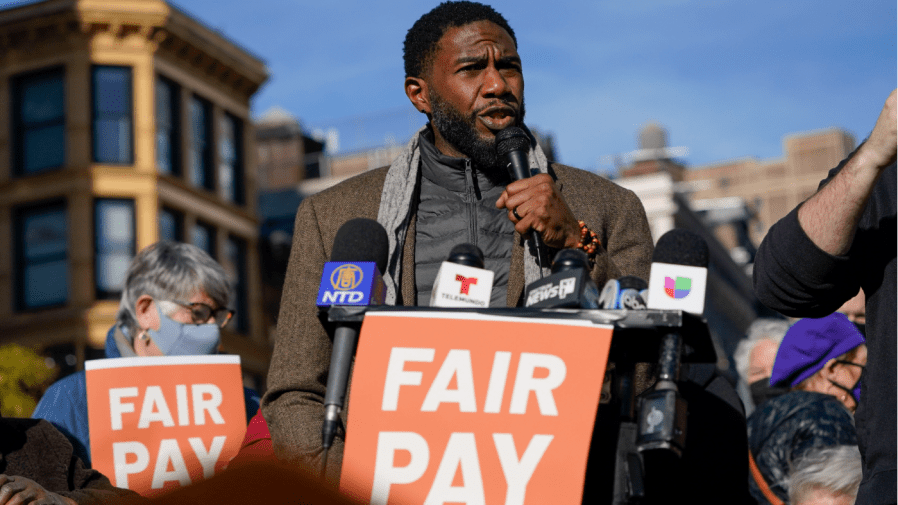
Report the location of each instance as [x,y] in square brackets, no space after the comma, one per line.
[453,387]
[195,405]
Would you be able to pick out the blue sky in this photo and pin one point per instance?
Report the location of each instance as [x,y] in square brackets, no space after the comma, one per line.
[728,79]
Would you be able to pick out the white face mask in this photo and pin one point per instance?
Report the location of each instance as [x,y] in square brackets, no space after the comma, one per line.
[179,339]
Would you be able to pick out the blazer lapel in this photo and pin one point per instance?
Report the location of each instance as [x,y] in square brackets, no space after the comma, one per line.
[408,288]
[516,272]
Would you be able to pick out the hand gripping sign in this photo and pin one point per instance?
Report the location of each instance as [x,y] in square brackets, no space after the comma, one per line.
[161,423]
[472,408]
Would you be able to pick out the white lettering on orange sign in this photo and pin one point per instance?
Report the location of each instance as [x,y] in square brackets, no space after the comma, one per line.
[168,456]
[206,398]
[397,376]
[460,455]
[457,364]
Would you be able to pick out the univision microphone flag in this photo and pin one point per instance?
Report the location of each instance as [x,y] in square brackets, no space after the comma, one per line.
[350,283]
[677,287]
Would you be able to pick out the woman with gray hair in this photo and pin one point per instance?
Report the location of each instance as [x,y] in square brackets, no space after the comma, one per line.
[830,475]
[174,302]
[754,358]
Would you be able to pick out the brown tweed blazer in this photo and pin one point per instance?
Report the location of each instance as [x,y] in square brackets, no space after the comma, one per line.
[292,405]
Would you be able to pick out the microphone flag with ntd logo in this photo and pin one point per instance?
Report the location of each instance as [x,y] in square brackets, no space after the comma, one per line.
[677,287]
[350,283]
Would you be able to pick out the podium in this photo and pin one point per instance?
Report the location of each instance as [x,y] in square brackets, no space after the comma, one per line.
[509,406]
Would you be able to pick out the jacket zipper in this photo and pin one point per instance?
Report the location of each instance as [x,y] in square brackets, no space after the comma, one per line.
[472,209]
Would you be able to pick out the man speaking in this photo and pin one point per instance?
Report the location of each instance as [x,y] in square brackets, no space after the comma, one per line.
[448,187]
[838,241]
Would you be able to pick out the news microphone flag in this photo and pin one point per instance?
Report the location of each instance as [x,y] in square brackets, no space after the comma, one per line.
[679,272]
[569,286]
[677,287]
[462,286]
[350,283]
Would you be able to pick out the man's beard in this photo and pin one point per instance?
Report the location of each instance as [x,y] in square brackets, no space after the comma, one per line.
[461,132]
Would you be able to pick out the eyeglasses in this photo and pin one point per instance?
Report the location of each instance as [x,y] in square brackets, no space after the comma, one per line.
[200,313]
[851,363]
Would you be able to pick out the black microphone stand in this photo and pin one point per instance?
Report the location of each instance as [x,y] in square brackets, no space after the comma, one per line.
[651,430]
[348,324]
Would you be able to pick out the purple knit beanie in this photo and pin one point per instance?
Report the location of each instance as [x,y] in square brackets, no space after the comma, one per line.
[809,344]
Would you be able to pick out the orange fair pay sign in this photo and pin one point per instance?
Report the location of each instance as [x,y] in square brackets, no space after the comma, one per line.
[157,424]
[472,408]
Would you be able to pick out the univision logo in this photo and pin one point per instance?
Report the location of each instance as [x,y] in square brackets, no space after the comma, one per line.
[677,288]
[346,277]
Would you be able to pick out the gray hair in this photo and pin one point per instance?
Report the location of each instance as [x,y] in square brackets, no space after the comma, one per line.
[835,470]
[760,329]
[170,271]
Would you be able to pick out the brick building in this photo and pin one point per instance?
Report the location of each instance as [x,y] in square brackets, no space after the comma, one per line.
[770,188]
[123,123]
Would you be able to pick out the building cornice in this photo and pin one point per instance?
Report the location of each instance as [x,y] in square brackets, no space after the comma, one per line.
[165,29]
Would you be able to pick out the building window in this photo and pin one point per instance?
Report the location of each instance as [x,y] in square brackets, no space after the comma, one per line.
[168,114]
[38,122]
[42,276]
[204,237]
[230,159]
[200,143]
[112,124]
[313,166]
[114,246]
[171,225]
[236,268]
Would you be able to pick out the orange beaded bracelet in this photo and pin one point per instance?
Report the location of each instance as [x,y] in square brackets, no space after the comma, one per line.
[589,241]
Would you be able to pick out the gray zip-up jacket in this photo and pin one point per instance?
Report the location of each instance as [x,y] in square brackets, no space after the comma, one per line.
[457,205]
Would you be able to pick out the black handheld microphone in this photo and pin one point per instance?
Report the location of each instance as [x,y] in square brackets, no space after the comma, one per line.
[569,286]
[513,144]
[357,241]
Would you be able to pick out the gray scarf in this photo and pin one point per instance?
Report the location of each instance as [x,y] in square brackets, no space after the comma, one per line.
[396,205]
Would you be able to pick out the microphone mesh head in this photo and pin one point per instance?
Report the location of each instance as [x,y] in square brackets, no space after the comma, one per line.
[466,254]
[361,239]
[569,259]
[681,247]
[632,282]
[511,139]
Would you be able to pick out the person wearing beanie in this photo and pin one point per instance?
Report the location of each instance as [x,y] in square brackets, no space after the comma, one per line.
[821,360]
[825,355]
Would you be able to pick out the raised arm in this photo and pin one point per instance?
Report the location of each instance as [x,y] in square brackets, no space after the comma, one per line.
[830,217]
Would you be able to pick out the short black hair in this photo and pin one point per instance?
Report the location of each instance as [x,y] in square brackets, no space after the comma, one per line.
[421,39]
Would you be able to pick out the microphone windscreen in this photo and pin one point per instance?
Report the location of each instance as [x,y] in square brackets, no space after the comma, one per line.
[511,139]
[569,259]
[681,247]
[361,239]
[632,282]
[466,254]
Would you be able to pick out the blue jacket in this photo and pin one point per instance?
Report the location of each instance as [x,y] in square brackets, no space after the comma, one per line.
[65,405]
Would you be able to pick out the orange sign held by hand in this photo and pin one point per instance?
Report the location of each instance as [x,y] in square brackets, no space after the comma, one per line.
[160,423]
[472,408]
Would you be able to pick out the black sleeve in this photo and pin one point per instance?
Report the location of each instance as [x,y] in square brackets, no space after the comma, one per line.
[795,277]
